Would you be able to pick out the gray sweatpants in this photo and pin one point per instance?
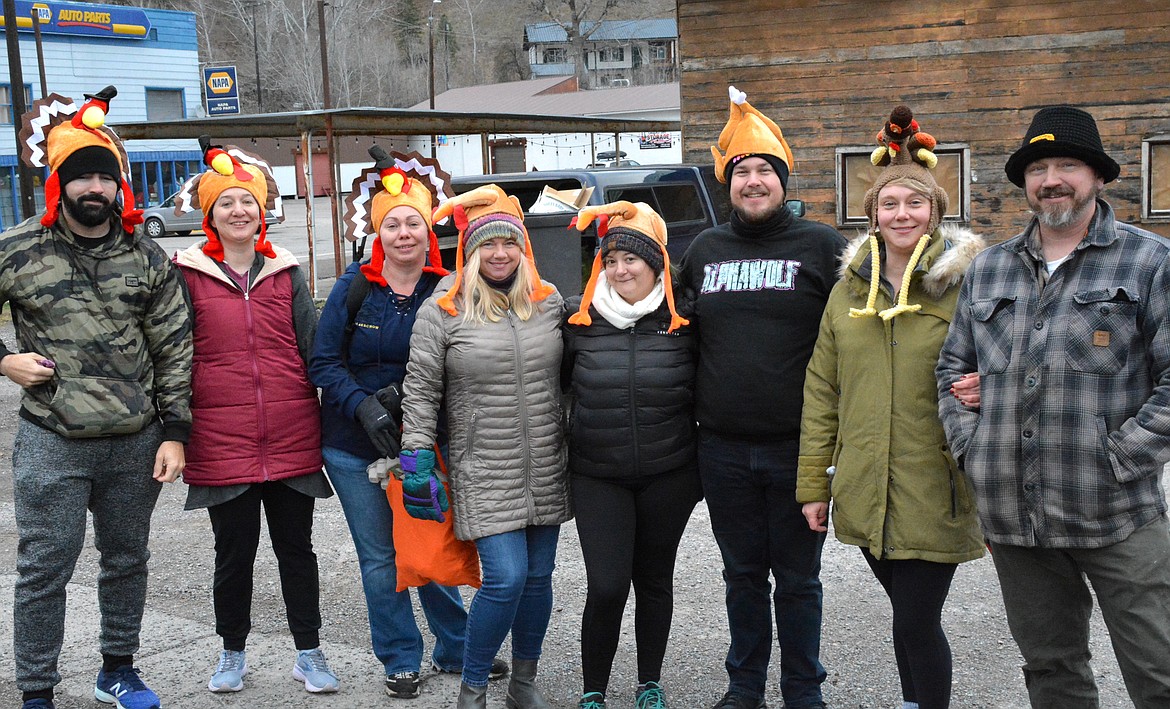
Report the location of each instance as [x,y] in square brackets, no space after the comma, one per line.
[56,480]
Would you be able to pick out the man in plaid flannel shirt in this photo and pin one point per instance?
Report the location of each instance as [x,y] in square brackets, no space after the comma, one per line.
[1068,325]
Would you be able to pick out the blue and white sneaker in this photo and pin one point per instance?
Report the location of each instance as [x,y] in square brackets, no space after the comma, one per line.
[313,669]
[124,689]
[229,673]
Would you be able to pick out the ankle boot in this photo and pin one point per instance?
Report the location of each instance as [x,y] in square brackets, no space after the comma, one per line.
[522,691]
[471,697]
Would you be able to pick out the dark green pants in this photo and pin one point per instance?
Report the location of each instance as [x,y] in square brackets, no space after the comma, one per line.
[1048,608]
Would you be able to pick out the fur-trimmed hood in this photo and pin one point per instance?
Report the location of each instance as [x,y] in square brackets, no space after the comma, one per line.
[943,263]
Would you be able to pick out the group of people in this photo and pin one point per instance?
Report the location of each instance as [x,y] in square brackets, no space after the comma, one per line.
[930,392]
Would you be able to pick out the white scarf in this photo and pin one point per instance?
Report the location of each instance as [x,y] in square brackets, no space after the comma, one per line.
[617,311]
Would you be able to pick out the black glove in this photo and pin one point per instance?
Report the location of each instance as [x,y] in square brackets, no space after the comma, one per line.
[390,397]
[380,426]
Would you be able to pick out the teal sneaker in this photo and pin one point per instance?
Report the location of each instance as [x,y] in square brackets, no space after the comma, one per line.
[313,669]
[229,673]
[124,689]
[592,700]
[649,696]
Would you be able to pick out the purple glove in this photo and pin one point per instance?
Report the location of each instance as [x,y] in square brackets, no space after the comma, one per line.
[423,495]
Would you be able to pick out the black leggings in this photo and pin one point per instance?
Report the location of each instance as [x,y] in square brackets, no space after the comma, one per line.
[917,590]
[236,524]
[630,531]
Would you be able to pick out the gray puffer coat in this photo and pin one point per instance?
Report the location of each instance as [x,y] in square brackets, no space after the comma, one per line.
[500,382]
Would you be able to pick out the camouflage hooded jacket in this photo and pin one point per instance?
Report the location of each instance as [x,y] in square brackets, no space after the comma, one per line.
[115,322]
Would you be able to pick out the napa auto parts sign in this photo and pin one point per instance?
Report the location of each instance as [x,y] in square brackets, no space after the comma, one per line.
[221,91]
[69,18]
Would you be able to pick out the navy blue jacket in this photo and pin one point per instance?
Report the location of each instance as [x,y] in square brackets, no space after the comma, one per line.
[378,350]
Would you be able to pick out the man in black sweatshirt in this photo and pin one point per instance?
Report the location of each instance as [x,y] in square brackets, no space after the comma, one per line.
[761,283]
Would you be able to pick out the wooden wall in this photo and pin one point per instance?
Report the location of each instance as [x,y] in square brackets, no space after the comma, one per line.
[829,72]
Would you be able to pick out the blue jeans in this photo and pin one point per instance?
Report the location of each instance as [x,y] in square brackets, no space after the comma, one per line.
[516,595]
[395,635]
[751,495]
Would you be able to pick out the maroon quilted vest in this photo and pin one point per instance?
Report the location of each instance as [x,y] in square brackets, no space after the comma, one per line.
[255,416]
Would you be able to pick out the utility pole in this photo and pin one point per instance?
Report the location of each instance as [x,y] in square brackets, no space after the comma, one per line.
[28,204]
[256,55]
[334,192]
[431,66]
[36,22]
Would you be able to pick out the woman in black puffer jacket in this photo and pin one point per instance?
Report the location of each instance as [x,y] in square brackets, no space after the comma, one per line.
[630,363]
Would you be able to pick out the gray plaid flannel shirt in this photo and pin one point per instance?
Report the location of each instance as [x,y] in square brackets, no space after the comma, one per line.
[1067,448]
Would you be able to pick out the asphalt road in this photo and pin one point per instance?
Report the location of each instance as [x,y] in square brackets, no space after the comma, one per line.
[179,645]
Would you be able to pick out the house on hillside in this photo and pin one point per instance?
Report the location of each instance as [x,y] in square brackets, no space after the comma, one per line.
[555,96]
[617,52]
[973,73]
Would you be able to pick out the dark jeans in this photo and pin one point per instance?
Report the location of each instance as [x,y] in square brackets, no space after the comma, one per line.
[751,495]
[917,590]
[236,524]
[629,533]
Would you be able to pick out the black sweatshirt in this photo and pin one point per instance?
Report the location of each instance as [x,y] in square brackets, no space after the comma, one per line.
[760,290]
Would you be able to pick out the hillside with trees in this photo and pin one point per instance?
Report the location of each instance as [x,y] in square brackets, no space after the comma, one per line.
[378,49]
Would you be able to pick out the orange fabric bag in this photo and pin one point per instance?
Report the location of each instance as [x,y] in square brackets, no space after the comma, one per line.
[425,550]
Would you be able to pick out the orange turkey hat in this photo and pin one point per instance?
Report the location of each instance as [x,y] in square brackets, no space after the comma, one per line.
[230,166]
[55,129]
[485,207]
[748,132]
[385,186]
[620,219]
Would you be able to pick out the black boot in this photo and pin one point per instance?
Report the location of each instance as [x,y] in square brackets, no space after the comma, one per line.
[522,691]
[471,697]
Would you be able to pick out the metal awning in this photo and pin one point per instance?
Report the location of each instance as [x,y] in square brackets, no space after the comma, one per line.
[338,122]
[383,121]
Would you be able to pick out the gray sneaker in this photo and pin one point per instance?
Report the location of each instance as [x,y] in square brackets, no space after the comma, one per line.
[229,672]
[313,669]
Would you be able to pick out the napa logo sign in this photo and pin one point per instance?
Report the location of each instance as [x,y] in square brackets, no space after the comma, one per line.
[221,90]
[78,19]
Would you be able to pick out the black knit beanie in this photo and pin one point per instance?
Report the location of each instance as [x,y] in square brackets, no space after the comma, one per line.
[777,164]
[92,158]
[640,245]
[1062,132]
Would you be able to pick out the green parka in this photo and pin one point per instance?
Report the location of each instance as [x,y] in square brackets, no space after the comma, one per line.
[871,413]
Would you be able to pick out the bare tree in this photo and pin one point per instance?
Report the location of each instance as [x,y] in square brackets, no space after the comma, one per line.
[580,19]
[511,63]
[471,7]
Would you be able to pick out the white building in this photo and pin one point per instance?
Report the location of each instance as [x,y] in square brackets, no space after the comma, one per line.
[555,96]
[151,56]
[617,52]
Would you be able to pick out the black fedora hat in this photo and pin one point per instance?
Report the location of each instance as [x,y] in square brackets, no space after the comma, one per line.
[1062,131]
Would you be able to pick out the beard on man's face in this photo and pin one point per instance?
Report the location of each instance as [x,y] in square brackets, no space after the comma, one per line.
[89,209]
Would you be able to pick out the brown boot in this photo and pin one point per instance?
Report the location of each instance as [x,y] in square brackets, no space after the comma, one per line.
[471,697]
[522,691]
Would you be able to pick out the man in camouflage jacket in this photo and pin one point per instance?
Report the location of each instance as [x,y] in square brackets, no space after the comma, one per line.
[105,363]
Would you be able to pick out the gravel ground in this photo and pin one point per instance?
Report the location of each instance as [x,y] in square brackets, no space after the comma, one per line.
[179,644]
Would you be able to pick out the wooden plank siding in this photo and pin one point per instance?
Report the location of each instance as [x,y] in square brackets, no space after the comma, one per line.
[974,72]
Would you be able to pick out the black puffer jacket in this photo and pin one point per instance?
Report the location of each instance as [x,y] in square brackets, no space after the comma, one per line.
[633,407]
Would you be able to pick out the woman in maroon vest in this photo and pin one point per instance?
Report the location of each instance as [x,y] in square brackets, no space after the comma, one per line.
[255,435]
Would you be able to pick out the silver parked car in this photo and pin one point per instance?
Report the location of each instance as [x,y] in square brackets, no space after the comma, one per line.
[161,221]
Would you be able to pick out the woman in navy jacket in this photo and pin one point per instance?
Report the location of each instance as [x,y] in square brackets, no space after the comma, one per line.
[630,364]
